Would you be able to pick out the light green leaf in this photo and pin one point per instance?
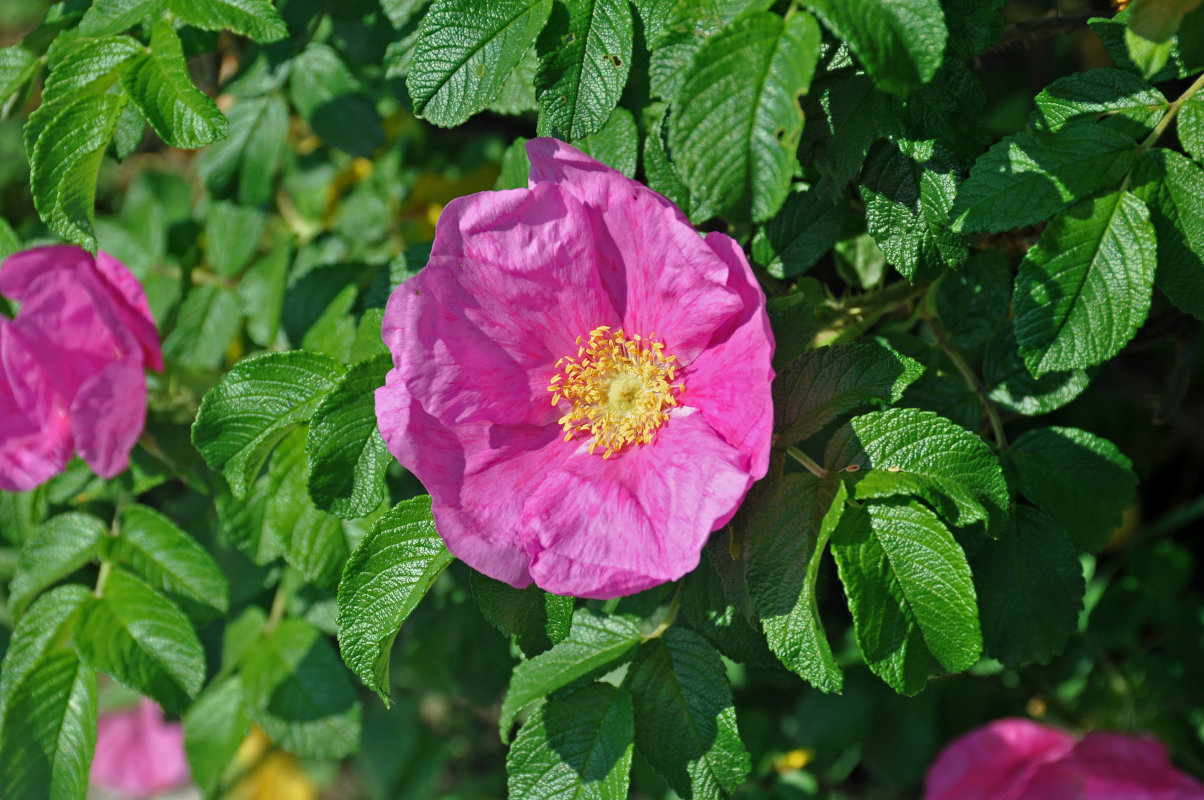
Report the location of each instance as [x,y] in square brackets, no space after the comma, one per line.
[91,66]
[1032,175]
[736,123]
[251,155]
[1172,187]
[296,690]
[334,102]
[106,17]
[1011,387]
[1084,289]
[578,747]
[386,577]
[685,722]
[787,532]
[466,49]
[206,324]
[347,456]
[1030,588]
[595,644]
[60,546]
[518,90]
[824,383]
[901,43]
[617,144]
[798,235]
[254,406]
[910,593]
[136,635]
[258,20]
[1191,126]
[159,84]
[1149,57]
[214,727]
[17,68]
[1081,480]
[1097,93]
[584,58]
[908,188]
[927,455]
[534,618]
[45,627]
[687,24]
[9,242]
[232,235]
[152,546]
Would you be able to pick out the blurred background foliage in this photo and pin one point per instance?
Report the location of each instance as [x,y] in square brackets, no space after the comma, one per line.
[318,206]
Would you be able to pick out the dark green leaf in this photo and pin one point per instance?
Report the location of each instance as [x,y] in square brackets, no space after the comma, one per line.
[1097,93]
[595,644]
[577,746]
[1191,126]
[136,635]
[787,532]
[974,301]
[60,546]
[584,58]
[803,230]
[910,592]
[824,383]
[736,123]
[537,620]
[114,16]
[90,66]
[333,102]
[1030,588]
[1011,387]
[1172,187]
[793,321]
[384,580]
[687,24]
[214,727]
[1115,35]
[842,113]
[900,42]
[257,402]
[685,722]
[255,19]
[974,25]
[1084,289]
[1084,482]
[466,49]
[250,156]
[296,690]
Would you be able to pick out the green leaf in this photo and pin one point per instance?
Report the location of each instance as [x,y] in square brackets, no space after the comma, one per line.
[261,290]
[687,24]
[106,17]
[802,232]
[577,746]
[910,593]
[90,66]
[824,383]
[232,235]
[929,456]
[842,118]
[256,403]
[1084,482]
[251,155]
[660,173]
[584,58]
[788,530]
[17,68]
[1084,289]
[258,20]
[901,43]
[48,705]
[595,644]
[296,690]
[793,322]
[136,635]
[973,302]
[347,456]
[312,542]
[60,546]
[1030,588]
[908,188]
[214,727]
[386,577]
[9,242]
[158,83]
[152,546]
[617,144]
[1172,187]
[1158,20]
[736,122]
[720,612]
[206,324]
[974,25]
[1011,387]
[241,521]
[1191,126]
[518,90]
[685,722]
[1115,35]
[333,101]
[1032,175]
[466,49]
[65,157]
[535,619]
[1096,93]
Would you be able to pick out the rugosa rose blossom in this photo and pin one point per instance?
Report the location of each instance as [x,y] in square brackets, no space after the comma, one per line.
[138,754]
[1016,759]
[71,364]
[579,379]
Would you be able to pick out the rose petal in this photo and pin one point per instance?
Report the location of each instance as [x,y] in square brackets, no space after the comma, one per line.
[108,414]
[995,762]
[138,754]
[35,438]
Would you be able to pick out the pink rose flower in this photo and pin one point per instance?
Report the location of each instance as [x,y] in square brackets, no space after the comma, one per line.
[71,364]
[579,379]
[1016,759]
[137,753]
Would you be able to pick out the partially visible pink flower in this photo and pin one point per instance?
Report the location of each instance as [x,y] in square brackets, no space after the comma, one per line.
[580,380]
[1016,759]
[137,753]
[71,364]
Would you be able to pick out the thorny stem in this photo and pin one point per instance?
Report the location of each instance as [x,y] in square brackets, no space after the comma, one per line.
[970,378]
[806,460]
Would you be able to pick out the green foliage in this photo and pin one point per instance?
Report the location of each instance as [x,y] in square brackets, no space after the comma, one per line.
[214,727]
[535,619]
[59,547]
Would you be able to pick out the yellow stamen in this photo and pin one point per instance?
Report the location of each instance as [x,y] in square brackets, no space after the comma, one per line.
[620,388]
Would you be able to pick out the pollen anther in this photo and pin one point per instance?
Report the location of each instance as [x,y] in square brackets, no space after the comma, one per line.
[621,389]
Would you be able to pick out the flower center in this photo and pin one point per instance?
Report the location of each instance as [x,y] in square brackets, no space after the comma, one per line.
[621,389]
